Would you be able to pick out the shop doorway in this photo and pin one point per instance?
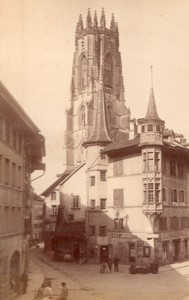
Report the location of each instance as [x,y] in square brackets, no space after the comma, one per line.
[104,253]
[176,250]
[132,252]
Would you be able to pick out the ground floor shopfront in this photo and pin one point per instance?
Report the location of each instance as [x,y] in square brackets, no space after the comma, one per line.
[141,248]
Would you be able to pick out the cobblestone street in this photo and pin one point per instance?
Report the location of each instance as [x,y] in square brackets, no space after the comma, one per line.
[86,282]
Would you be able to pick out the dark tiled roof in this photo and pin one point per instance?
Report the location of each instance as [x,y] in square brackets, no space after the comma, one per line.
[121,141]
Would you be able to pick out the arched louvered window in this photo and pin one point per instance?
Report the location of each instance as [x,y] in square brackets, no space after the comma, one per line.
[111,116]
[108,71]
[83,74]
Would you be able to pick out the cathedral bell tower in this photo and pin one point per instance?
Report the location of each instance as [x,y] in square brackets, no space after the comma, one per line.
[96,77]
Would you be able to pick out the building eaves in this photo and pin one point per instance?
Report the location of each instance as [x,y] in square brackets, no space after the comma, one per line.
[56,183]
[16,109]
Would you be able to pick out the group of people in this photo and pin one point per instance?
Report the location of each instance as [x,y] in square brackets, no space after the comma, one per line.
[46,291]
[106,265]
[19,283]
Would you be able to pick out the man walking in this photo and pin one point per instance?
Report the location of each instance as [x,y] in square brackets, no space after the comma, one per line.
[64,292]
[116,263]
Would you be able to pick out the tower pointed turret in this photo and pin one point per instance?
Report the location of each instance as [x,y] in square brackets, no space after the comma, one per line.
[103,19]
[88,20]
[95,20]
[113,24]
[151,125]
[79,27]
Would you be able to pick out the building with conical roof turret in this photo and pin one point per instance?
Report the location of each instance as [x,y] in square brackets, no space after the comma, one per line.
[125,191]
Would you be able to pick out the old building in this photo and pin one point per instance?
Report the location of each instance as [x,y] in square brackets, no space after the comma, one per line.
[128,179]
[37,219]
[21,152]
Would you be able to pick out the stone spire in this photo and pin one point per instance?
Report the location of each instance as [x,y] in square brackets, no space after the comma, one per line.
[79,27]
[89,20]
[103,20]
[152,110]
[99,134]
[95,20]
[112,24]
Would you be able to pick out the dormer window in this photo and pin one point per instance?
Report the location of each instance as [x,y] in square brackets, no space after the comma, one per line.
[150,127]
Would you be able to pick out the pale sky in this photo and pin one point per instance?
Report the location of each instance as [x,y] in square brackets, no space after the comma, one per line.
[36,52]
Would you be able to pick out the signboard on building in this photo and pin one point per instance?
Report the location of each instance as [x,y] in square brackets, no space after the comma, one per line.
[174,235]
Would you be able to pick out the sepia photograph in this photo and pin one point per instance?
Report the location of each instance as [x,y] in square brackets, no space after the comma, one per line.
[94,150]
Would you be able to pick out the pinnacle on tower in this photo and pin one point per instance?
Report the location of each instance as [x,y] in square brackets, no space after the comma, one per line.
[79,25]
[112,24]
[89,20]
[95,20]
[103,19]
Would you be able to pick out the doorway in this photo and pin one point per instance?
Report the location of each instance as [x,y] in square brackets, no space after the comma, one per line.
[132,252]
[104,253]
[176,250]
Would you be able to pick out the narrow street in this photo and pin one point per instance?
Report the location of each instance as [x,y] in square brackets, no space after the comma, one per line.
[86,283]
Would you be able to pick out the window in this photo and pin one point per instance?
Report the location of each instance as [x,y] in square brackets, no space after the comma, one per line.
[143,128]
[1,127]
[92,180]
[93,204]
[181,196]
[148,160]
[150,192]
[1,168]
[54,209]
[102,231]
[13,174]
[150,127]
[174,223]
[158,128]
[118,167]
[156,161]
[184,222]
[103,175]
[7,171]
[118,223]
[92,230]
[108,71]
[7,132]
[103,203]
[102,155]
[172,168]
[75,201]
[164,195]
[19,176]
[164,164]
[83,77]
[174,195]
[162,223]
[20,143]
[81,117]
[14,138]
[53,196]
[118,198]
[180,170]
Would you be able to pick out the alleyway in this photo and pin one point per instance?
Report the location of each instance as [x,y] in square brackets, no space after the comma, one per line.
[86,283]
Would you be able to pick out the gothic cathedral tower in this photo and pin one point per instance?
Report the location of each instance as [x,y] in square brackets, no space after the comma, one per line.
[96,65]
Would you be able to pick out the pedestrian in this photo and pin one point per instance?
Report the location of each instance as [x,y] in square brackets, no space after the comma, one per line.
[24,280]
[116,263]
[64,292]
[110,264]
[47,291]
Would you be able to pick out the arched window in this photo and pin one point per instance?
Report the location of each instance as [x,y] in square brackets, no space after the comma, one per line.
[83,74]
[81,117]
[108,71]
